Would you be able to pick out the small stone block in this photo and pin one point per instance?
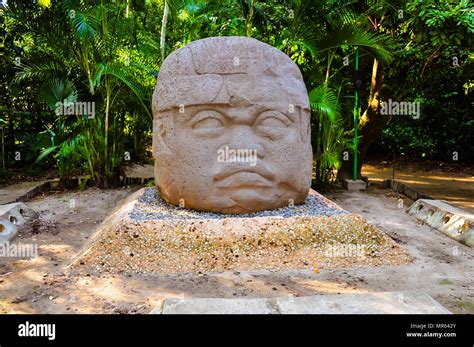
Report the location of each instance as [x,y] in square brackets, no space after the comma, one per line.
[351,185]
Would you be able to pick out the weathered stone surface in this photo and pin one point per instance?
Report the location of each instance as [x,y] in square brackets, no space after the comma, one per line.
[452,221]
[12,215]
[402,188]
[17,213]
[365,303]
[231,128]
[217,306]
[8,231]
[151,236]
[354,185]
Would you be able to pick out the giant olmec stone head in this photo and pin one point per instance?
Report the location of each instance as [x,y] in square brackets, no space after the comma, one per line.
[231,128]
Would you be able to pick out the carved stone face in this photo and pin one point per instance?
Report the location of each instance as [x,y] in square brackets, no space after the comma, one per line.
[231,129]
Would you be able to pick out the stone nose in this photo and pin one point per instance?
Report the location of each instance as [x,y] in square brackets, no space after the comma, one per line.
[242,136]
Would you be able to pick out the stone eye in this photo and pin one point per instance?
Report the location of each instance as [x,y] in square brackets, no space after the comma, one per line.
[207,120]
[272,119]
[272,123]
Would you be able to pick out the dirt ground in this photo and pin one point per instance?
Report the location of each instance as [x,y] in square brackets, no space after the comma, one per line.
[442,267]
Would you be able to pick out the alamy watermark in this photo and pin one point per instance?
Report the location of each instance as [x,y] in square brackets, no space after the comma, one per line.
[28,329]
[347,250]
[18,250]
[400,108]
[84,108]
[240,155]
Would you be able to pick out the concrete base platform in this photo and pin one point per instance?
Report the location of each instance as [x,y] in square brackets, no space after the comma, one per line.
[354,185]
[147,235]
[452,221]
[366,303]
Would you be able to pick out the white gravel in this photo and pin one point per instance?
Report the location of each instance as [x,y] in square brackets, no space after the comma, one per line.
[151,206]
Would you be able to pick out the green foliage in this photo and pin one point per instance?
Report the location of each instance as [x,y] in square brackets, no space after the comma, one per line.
[324,102]
[100,63]
[329,137]
[446,22]
[434,68]
[109,53]
[56,90]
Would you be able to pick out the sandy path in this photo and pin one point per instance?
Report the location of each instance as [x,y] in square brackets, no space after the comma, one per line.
[455,187]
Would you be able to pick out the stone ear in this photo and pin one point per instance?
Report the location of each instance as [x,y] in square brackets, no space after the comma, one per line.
[162,126]
[305,124]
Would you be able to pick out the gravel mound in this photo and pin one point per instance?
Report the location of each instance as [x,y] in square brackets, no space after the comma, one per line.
[151,206]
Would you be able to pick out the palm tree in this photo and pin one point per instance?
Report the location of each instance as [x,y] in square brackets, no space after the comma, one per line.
[371,123]
[324,31]
[94,53]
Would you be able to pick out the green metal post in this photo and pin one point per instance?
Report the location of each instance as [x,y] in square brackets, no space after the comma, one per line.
[356,119]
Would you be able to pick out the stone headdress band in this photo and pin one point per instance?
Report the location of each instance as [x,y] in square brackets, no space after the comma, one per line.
[204,74]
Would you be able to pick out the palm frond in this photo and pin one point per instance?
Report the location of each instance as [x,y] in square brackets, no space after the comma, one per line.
[46,152]
[85,25]
[323,100]
[123,76]
[373,43]
[42,70]
[56,90]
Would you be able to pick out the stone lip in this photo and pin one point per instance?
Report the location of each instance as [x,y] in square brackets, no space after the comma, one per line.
[129,241]
[407,302]
[151,206]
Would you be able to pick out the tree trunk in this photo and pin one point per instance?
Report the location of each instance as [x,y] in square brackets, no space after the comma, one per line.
[106,132]
[248,24]
[163,30]
[371,124]
[3,150]
[127,9]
